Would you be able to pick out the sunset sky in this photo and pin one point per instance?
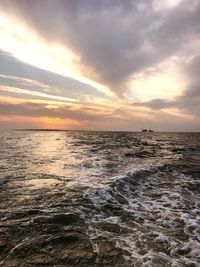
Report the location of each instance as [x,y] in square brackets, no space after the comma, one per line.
[100,64]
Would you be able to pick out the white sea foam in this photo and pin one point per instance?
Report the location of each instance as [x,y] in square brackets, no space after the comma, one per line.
[159,212]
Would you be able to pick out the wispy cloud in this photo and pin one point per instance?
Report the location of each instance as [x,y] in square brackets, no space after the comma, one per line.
[35,93]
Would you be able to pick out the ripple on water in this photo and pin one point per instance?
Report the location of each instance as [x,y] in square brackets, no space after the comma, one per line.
[99,199]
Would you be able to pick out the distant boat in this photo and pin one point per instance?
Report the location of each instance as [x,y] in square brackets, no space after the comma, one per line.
[146,130]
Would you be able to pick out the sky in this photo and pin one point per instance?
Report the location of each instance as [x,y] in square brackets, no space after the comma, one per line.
[119,65]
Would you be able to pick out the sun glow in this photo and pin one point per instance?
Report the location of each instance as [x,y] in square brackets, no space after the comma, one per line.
[162,83]
[58,123]
[41,122]
[27,46]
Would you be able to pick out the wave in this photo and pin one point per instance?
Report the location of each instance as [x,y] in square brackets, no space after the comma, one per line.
[151,214]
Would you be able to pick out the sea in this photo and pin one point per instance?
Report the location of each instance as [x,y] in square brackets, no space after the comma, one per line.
[78,198]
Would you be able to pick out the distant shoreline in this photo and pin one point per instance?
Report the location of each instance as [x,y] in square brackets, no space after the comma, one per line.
[76,130]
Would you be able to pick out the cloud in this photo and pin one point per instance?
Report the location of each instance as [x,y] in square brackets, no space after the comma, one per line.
[18,74]
[51,115]
[37,94]
[189,101]
[146,52]
[43,115]
[156,104]
[29,109]
[113,39]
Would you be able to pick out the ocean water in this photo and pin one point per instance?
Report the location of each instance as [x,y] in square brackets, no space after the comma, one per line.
[99,199]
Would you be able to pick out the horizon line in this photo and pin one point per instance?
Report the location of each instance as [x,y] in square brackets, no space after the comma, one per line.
[79,130]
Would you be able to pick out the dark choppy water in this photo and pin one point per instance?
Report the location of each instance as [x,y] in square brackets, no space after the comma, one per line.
[99,199]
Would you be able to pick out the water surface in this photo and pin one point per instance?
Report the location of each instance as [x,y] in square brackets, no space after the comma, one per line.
[99,199]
